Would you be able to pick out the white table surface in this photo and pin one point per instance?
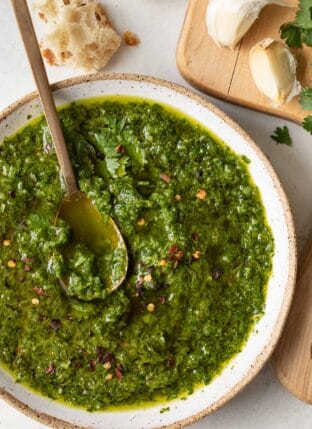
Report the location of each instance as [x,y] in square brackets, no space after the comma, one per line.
[264,404]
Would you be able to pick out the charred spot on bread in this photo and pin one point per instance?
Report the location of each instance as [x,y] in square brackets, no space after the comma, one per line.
[49,56]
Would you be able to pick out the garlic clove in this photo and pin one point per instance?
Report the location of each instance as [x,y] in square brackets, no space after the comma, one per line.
[228,21]
[273,68]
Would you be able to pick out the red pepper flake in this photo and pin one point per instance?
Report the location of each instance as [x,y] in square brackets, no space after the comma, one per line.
[118,371]
[55,324]
[92,364]
[175,253]
[171,362]
[165,178]
[51,369]
[108,357]
[120,149]
[173,249]
[195,236]
[27,268]
[162,299]
[39,291]
[101,352]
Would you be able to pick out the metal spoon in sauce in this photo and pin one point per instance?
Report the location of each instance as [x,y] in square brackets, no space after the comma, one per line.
[100,235]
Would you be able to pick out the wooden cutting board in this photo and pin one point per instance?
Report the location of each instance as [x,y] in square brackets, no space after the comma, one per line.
[225,74]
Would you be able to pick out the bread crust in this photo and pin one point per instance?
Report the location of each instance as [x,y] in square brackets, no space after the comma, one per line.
[78,32]
[131,39]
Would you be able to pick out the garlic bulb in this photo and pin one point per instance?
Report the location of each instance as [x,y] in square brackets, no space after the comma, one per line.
[274,68]
[229,20]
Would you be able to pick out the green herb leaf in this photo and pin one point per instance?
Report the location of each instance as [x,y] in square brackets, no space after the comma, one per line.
[112,165]
[115,163]
[307,124]
[292,34]
[123,164]
[308,37]
[117,166]
[304,14]
[306,98]
[300,30]
[281,136]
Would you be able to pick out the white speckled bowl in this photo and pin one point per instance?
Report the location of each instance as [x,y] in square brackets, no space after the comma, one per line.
[260,345]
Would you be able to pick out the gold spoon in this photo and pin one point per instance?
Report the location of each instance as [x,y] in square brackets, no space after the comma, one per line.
[101,236]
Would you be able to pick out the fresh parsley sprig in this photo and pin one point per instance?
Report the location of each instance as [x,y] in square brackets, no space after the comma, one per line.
[306,103]
[306,98]
[296,34]
[281,136]
[307,124]
[299,31]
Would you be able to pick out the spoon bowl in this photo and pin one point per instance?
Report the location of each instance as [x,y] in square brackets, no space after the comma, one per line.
[100,234]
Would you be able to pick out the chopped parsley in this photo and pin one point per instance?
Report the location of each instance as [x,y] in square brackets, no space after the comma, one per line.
[198,267]
[281,136]
[307,124]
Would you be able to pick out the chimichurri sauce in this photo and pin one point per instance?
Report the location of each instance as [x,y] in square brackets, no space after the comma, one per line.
[200,254]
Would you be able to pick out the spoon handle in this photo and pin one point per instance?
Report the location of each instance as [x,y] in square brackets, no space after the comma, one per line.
[34,56]
[292,359]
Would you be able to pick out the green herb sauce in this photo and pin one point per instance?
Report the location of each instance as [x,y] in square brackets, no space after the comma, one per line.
[200,254]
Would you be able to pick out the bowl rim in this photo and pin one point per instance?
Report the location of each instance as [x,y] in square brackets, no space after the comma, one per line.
[277,329]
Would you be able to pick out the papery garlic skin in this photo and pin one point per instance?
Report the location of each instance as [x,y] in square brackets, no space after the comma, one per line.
[274,69]
[229,20]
